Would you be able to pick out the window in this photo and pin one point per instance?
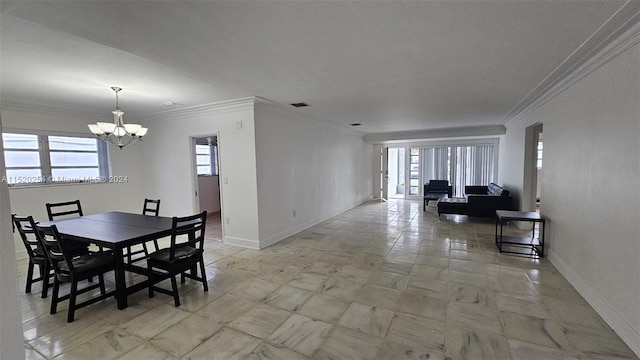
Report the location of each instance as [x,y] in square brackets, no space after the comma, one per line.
[74,157]
[539,157]
[39,158]
[22,158]
[207,159]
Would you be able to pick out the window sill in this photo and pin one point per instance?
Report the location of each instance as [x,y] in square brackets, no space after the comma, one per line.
[70,183]
[31,186]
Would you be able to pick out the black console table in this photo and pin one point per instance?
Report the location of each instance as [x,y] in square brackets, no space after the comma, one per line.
[522,245]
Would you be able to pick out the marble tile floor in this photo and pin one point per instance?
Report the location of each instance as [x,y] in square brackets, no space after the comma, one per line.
[384,280]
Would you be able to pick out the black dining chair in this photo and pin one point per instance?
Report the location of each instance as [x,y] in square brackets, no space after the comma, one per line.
[57,210]
[151,207]
[26,229]
[73,269]
[67,209]
[181,257]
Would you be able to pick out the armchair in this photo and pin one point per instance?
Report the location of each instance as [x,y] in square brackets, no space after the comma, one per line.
[436,189]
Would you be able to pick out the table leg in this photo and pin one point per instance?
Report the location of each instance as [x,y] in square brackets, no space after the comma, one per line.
[121,285]
[498,238]
[541,237]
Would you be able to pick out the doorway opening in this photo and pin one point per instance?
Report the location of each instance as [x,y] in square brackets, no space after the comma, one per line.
[404,175]
[538,172]
[207,176]
[396,173]
[532,197]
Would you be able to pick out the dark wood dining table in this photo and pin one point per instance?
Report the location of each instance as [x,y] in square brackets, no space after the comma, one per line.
[116,231]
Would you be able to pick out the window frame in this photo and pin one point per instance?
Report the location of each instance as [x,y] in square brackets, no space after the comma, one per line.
[46,168]
[213,159]
[539,154]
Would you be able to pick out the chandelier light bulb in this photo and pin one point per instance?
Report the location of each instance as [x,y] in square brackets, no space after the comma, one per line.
[118,133]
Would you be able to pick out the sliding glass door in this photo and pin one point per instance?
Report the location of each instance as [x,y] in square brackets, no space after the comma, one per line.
[396,172]
[405,177]
[415,175]
[461,165]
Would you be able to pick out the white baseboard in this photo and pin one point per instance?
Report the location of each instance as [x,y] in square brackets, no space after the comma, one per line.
[246,243]
[626,332]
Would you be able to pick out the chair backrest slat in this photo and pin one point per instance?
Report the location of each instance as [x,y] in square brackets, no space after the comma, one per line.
[26,228]
[193,226]
[55,246]
[68,208]
[151,207]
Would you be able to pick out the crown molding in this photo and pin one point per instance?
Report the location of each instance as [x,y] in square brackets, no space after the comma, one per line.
[52,110]
[617,35]
[244,103]
[442,133]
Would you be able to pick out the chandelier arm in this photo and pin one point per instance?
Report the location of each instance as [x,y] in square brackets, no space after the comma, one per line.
[120,136]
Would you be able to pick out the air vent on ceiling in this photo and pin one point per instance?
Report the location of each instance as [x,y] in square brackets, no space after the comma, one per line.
[355,124]
[300,104]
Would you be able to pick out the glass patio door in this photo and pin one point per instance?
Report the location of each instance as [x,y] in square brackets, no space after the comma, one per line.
[405,175]
[413,172]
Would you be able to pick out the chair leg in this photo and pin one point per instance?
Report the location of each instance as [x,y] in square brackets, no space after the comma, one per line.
[54,296]
[29,277]
[103,289]
[193,273]
[45,279]
[151,279]
[174,286]
[204,276]
[72,301]
[155,243]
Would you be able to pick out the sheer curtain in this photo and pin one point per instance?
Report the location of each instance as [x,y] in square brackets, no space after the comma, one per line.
[461,165]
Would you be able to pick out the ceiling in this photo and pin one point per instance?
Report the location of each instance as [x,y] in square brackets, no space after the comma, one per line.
[390,65]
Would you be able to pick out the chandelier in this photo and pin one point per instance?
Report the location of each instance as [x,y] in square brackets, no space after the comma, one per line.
[118,133]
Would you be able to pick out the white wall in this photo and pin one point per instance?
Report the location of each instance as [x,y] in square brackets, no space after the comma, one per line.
[314,169]
[590,186]
[169,164]
[11,341]
[30,200]
[209,193]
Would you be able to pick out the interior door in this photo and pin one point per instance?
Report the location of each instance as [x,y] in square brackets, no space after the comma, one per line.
[384,173]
